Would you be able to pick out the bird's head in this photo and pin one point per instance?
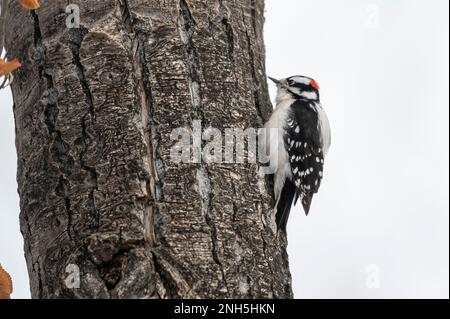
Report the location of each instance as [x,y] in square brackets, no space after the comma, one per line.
[297,87]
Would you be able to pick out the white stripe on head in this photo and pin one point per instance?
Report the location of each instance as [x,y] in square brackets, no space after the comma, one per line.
[301,80]
[309,95]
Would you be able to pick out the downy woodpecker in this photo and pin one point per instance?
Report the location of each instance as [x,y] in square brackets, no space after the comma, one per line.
[298,149]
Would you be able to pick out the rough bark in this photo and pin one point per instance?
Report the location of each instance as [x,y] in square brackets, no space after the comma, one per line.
[94,110]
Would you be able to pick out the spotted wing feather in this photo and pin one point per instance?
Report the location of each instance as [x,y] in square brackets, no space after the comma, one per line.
[303,141]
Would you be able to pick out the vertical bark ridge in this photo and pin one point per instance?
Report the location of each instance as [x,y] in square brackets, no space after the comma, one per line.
[144,92]
[187,25]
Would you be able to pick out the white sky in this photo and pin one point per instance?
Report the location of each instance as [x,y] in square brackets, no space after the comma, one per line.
[379,227]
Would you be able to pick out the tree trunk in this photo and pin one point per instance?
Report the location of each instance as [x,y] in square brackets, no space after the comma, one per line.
[95,107]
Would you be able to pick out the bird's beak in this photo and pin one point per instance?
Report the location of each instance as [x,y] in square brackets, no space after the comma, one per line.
[274,80]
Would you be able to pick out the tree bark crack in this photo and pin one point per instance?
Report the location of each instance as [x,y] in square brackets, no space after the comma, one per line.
[76,39]
[175,285]
[41,286]
[144,92]
[255,79]
[60,150]
[253,16]
[225,17]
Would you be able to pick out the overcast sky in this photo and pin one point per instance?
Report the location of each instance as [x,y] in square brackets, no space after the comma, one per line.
[379,227]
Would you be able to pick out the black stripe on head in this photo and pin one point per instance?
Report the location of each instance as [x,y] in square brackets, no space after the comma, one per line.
[302,87]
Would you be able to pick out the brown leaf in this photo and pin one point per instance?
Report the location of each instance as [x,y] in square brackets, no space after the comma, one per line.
[6,67]
[30,4]
[6,285]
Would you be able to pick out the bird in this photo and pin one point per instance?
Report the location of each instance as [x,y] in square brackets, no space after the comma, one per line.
[297,151]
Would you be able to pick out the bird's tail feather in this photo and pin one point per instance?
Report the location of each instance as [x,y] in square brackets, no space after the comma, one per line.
[284,204]
[306,202]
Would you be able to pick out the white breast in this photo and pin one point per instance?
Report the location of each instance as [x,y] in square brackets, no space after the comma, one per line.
[279,157]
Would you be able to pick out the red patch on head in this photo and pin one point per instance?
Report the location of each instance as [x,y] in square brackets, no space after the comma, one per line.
[315,85]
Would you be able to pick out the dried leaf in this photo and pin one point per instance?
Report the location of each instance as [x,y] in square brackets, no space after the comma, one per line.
[6,67]
[6,285]
[30,4]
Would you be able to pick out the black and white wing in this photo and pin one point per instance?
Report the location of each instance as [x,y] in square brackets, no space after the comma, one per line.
[303,140]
